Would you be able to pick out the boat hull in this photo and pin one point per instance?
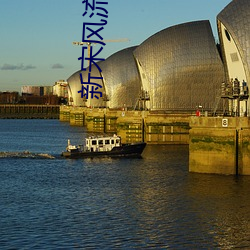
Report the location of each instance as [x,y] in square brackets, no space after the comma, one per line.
[126,150]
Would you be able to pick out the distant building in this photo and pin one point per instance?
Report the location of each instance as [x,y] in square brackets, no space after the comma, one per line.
[41,100]
[37,90]
[39,95]
[60,89]
[47,90]
[9,97]
[30,90]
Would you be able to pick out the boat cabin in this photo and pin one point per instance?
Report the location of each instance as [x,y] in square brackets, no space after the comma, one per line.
[104,143]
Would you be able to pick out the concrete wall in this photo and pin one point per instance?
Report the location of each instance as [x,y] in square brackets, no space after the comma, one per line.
[64,114]
[167,129]
[132,126]
[219,145]
[216,145]
[94,120]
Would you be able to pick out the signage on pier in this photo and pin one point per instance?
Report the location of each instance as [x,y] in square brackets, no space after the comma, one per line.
[224,123]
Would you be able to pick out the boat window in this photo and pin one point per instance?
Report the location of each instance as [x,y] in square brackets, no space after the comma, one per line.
[94,142]
[107,142]
[117,141]
[100,142]
[112,142]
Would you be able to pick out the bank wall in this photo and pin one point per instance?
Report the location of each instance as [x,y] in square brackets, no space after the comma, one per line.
[219,145]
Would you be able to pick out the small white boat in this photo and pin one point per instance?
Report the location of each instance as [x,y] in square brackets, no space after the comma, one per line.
[96,146]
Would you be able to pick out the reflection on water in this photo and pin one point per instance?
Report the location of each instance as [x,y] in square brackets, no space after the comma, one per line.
[104,203]
[224,201]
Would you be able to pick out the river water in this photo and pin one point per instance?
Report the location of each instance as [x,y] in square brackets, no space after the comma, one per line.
[149,203]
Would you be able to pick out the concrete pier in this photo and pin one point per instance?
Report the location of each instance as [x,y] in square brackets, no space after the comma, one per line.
[219,145]
[132,126]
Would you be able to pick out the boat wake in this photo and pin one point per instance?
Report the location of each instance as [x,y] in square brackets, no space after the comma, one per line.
[26,154]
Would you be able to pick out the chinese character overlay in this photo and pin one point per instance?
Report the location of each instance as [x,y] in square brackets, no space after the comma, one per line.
[91,35]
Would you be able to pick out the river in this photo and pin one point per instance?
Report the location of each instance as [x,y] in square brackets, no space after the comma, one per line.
[48,202]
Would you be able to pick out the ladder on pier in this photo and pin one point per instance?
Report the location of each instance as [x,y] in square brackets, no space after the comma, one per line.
[217,101]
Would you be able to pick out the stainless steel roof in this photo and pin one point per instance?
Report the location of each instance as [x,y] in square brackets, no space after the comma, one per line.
[236,18]
[181,67]
[121,79]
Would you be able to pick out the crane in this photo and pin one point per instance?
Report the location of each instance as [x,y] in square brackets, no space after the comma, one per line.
[105,41]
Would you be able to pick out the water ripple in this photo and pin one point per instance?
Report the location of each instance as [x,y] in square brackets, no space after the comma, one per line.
[26,154]
[148,203]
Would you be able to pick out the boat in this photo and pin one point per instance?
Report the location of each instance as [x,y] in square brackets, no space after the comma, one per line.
[103,146]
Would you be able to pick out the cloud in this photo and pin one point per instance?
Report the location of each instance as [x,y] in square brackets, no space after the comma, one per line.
[21,66]
[57,66]
[27,67]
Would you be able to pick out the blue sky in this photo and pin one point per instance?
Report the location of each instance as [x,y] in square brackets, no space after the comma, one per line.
[36,35]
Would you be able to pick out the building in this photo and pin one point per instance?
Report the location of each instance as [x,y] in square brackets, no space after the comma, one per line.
[37,90]
[60,89]
[178,69]
[9,97]
[39,95]
[120,86]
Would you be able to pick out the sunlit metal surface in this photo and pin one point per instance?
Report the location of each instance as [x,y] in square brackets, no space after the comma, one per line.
[121,79]
[75,85]
[121,82]
[181,67]
[236,18]
[234,33]
[96,100]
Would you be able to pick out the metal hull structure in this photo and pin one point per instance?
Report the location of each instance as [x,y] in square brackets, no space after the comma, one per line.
[125,150]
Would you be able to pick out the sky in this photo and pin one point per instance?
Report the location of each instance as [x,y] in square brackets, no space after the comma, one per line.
[36,35]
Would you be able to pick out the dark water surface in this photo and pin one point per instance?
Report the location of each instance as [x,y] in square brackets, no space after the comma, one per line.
[148,203]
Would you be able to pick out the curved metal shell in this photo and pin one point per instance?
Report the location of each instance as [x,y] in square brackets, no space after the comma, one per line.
[74,86]
[95,100]
[235,17]
[180,67]
[234,33]
[121,79]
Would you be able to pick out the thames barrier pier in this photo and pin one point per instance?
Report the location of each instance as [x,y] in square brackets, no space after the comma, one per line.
[219,145]
[132,126]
